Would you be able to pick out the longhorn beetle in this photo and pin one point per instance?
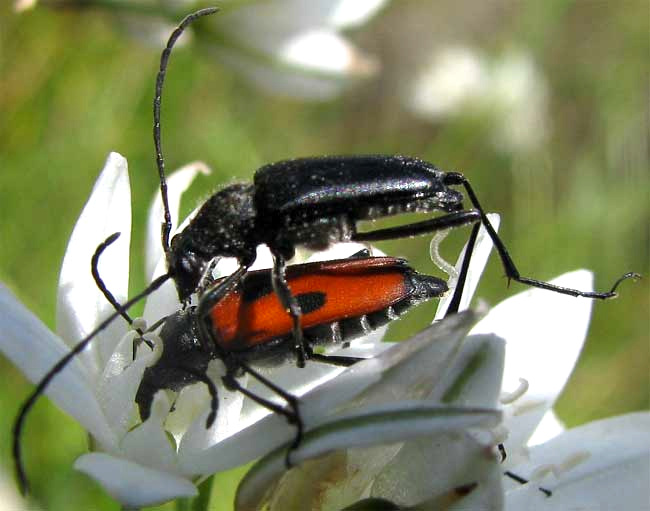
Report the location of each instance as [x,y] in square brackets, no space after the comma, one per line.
[308,202]
[313,202]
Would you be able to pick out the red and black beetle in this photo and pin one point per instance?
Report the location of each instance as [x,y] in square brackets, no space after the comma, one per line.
[340,300]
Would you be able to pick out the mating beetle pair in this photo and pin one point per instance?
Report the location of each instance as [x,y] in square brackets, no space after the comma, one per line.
[307,202]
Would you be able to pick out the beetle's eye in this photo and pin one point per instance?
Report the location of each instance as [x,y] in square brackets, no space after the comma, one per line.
[189,262]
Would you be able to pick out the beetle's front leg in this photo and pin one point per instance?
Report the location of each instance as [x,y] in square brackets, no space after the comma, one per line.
[290,304]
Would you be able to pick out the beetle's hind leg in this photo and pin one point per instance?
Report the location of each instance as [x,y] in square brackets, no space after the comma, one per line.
[291,413]
[455,178]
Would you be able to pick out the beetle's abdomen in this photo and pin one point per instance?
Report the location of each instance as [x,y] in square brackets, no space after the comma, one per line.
[367,291]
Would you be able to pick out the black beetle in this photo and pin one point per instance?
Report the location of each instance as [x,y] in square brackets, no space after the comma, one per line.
[313,202]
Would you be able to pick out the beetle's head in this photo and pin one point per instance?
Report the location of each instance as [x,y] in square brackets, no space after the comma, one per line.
[185,266]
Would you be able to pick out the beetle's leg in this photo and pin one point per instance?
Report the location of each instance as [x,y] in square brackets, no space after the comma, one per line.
[364,253]
[455,178]
[523,480]
[334,360]
[455,219]
[212,389]
[454,304]
[146,392]
[292,414]
[207,280]
[210,298]
[290,304]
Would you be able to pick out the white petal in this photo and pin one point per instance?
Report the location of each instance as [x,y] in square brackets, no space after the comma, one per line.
[324,51]
[474,377]
[426,469]
[34,349]
[131,484]
[148,443]
[549,427]
[9,496]
[287,82]
[177,183]
[163,301]
[351,13]
[289,15]
[405,370]
[601,465]
[117,387]
[194,401]
[544,332]
[482,251]
[402,421]
[80,304]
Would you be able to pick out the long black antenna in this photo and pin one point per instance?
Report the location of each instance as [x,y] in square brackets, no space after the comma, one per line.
[60,365]
[160,161]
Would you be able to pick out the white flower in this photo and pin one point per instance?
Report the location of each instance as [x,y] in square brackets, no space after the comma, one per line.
[24,5]
[509,89]
[599,465]
[139,466]
[293,48]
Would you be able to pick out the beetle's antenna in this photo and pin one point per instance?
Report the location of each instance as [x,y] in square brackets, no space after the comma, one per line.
[94,270]
[60,365]
[160,161]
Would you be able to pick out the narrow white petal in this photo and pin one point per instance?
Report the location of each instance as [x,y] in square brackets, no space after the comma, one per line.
[80,304]
[426,469]
[549,427]
[177,183]
[474,376]
[324,51]
[402,421]
[406,370]
[148,443]
[191,409]
[120,380]
[30,345]
[482,251]
[351,13]
[9,496]
[197,438]
[163,301]
[131,484]
[544,332]
[283,81]
[288,15]
[601,465]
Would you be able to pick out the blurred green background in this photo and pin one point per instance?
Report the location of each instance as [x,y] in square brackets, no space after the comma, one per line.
[74,86]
